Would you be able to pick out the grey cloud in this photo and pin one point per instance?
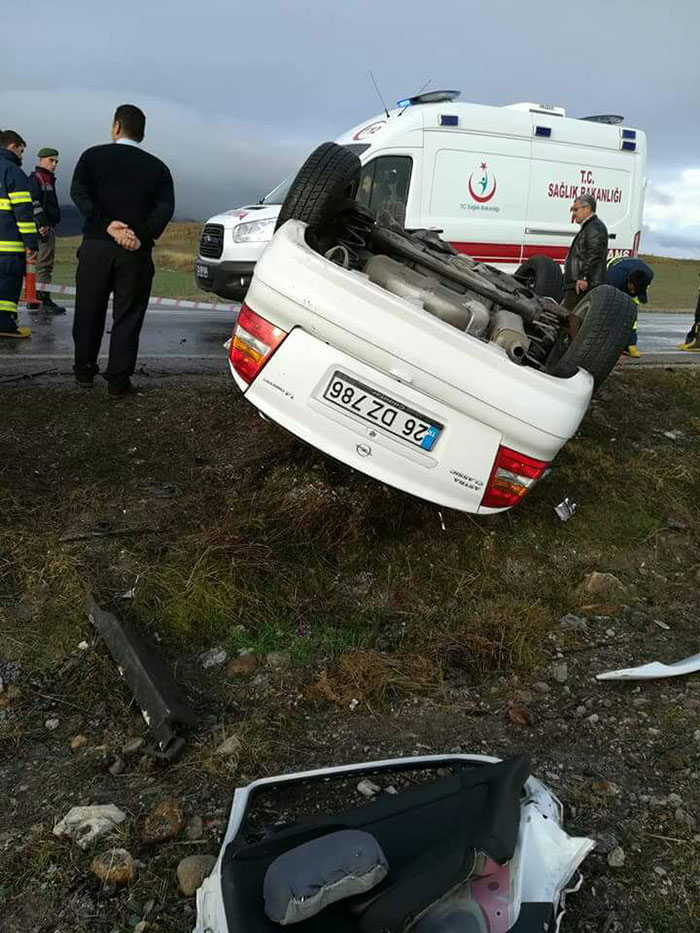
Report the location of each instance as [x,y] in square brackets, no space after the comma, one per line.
[237,92]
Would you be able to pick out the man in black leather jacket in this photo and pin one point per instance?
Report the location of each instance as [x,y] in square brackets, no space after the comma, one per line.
[586,261]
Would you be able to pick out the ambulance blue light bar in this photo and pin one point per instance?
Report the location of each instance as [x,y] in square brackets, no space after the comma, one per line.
[545,131]
[449,119]
[628,146]
[406,102]
[629,134]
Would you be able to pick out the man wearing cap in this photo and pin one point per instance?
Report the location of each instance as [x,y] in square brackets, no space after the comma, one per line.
[47,214]
[633,277]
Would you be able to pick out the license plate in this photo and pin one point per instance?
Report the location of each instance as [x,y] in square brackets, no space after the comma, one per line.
[201,270]
[383,412]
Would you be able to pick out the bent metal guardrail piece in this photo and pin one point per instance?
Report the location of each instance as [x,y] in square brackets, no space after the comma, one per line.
[162,702]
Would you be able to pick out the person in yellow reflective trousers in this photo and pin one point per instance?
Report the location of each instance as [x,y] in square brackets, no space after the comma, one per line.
[18,234]
[692,340]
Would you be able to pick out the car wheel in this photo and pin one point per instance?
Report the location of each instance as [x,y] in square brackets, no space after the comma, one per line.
[602,327]
[329,176]
[541,275]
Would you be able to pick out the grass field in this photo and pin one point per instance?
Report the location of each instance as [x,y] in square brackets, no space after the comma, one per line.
[398,630]
[675,280]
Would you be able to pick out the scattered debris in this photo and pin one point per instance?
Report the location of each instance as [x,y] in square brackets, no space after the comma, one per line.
[159,697]
[131,746]
[565,510]
[163,822]
[131,593]
[666,628]
[78,741]
[654,669]
[368,788]
[107,533]
[195,828]
[602,584]
[52,724]
[242,665]
[560,672]
[83,646]
[616,858]
[192,871]
[115,866]
[519,715]
[673,435]
[214,657]
[278,660]
[572,623]
[87,824]
[118,766]
[160,490]
[229,747]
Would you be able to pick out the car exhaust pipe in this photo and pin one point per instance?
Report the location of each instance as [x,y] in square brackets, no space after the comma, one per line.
[507,331]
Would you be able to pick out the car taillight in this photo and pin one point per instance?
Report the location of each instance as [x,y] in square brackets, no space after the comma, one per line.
[635,242]
[513,475]
[253,342]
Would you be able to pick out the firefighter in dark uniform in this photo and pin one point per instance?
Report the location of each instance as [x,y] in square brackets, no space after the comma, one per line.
[18,233]
[633,277]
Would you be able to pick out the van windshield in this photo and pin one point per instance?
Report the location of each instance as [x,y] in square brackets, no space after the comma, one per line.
[278,194]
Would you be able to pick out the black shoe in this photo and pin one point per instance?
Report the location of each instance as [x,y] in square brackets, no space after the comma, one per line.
[120,390]
[48,304]
[85,375]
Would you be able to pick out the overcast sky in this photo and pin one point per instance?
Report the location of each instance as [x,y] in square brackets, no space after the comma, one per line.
[237,93]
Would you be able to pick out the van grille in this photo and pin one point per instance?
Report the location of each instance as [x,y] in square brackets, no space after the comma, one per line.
[211,242]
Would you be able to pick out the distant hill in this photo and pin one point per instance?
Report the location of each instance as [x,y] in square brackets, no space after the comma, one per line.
[71,221]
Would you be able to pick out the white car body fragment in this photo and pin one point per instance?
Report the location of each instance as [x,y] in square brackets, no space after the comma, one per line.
[654,670]
[543,869]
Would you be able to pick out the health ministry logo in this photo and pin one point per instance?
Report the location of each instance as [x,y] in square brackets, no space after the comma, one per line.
[482,184]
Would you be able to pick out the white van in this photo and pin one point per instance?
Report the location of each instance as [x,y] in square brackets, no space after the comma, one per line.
[497,182]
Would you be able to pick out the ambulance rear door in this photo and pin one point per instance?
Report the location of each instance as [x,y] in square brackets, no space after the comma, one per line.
[475,182]
[575,157]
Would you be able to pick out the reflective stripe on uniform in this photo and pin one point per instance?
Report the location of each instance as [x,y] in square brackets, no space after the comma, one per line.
[20,197]
[5,204]
[11,246]
[26,226]
[10,306]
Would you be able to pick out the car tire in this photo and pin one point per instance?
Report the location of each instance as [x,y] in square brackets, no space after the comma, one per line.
[542,275]
[606,318]
[329,176]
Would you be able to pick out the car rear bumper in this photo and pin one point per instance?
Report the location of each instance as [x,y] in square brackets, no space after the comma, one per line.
[454,473]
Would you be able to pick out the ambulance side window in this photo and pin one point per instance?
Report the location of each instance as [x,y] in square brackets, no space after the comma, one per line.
[384,184]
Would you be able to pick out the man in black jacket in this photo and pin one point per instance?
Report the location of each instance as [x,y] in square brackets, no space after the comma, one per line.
[585,263]
[126,196]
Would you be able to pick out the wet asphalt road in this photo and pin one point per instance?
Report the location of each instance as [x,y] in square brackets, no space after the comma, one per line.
[191,341]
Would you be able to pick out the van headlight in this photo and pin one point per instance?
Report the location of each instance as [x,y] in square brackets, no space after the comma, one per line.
[257,231]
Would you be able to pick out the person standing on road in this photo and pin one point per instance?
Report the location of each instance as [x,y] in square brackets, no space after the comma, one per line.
[126,196]
[584,267]
[692,340]
[47,215]
[18,233]
[632,276]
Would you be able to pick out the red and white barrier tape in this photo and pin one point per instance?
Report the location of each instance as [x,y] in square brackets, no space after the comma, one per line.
[168,302]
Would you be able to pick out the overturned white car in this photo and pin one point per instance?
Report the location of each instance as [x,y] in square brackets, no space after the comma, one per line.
[426,370]
[446,844]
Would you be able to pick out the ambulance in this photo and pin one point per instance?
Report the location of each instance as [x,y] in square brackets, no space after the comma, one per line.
[496,182]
